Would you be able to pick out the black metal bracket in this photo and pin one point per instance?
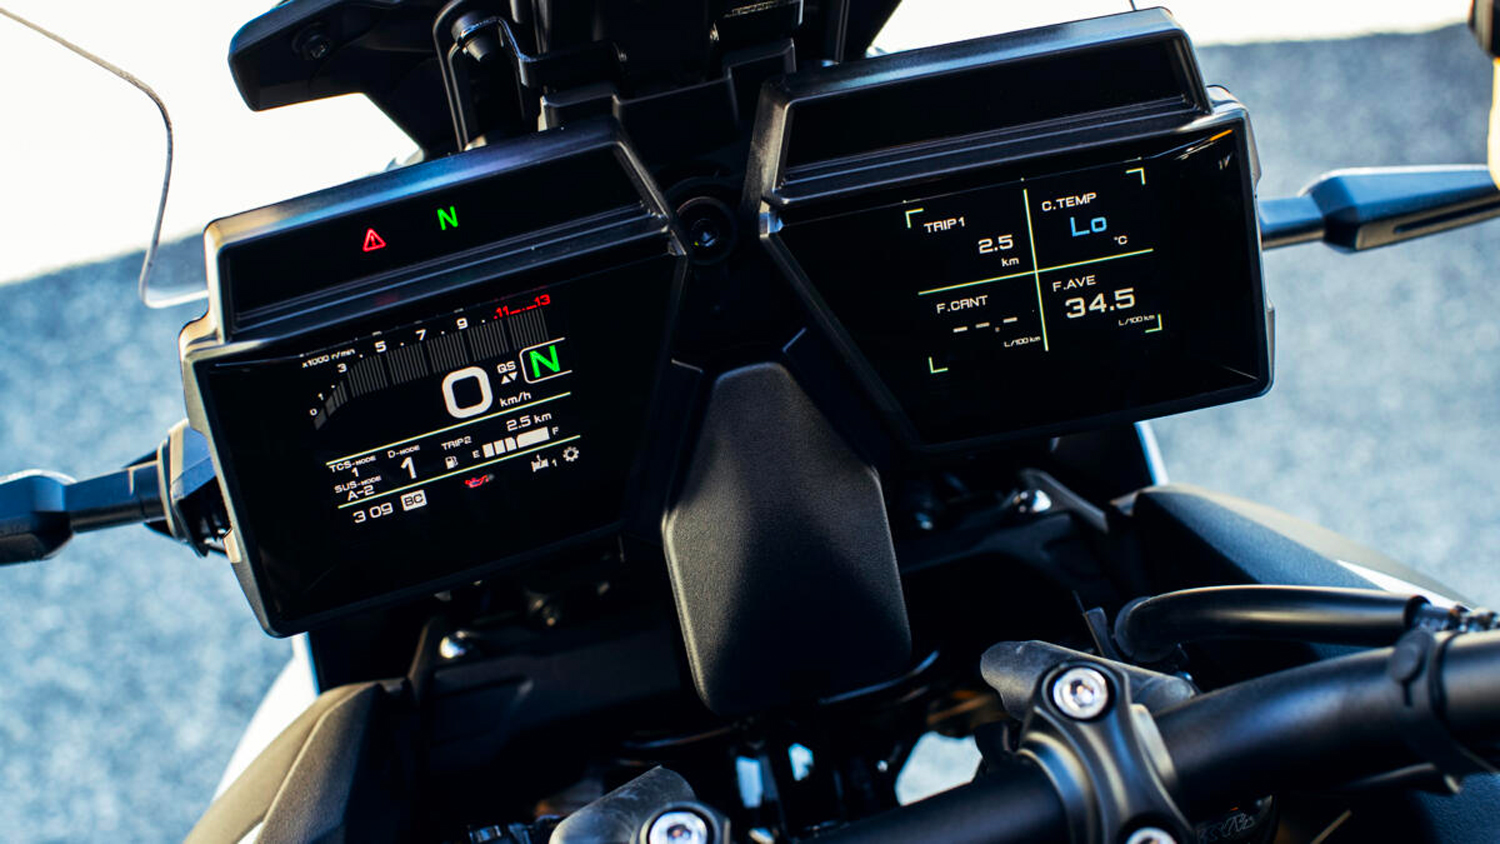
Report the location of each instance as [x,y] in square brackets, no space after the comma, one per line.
[1109,766]
[194,512]
[1015,670]
[472,36]
[304,50]
[498,82]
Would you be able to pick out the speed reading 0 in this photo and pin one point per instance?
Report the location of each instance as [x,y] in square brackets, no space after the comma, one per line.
[479,403]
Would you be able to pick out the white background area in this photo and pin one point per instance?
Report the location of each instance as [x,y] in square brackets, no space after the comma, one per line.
[81,152]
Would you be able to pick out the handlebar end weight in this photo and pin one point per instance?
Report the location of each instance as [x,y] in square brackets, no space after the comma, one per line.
[34,522]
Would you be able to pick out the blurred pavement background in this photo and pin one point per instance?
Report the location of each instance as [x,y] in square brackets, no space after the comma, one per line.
[131,667]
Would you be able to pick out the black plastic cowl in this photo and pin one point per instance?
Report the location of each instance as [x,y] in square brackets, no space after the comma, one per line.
[780,554]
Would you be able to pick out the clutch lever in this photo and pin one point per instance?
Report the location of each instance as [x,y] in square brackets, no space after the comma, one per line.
[1362,208]
[174,490]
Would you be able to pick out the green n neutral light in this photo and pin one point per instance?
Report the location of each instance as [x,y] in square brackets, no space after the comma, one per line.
[538,360]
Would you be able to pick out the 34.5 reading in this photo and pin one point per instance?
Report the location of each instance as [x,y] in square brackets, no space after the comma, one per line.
[1078,306]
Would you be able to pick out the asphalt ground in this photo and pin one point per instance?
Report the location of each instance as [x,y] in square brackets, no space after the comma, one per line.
[1382,424]
[131,667]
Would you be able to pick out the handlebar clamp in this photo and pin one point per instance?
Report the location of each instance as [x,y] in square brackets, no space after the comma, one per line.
[1416,668]
[1104,755]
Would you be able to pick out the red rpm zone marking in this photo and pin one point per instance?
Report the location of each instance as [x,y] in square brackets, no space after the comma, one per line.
[540,302]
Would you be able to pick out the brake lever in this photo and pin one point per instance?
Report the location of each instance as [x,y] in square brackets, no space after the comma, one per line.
[1362,208]
[41,511]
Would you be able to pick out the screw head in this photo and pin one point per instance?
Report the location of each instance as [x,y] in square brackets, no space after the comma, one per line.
[710,226]
[705,234]
[678,826]
[451,647]
[1032,501]
[312,44]
[1151,835]
[1081,693]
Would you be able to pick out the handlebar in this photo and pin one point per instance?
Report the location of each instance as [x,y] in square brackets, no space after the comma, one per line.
[1333,721]
[1149,629]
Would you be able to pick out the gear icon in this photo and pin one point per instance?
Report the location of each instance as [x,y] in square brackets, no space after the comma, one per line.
[570,453]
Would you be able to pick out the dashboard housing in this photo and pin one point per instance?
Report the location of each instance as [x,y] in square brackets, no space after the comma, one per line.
[417,378]
[1020,236]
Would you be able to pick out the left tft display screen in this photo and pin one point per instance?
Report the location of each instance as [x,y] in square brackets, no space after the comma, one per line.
[418,448]
[427,414]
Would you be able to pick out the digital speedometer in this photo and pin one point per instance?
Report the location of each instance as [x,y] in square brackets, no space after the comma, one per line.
[408,409]
[484,400]
[432,445]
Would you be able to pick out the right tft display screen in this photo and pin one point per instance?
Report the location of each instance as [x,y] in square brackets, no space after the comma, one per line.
[1122,281]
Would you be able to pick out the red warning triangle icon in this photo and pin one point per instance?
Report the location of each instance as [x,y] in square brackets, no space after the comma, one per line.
[373,241]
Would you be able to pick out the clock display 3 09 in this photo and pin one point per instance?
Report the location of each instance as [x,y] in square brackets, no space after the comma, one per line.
[1053,297]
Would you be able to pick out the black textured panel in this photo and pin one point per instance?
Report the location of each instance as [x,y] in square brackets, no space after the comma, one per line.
[334,774]
[1195,537]
[780,554]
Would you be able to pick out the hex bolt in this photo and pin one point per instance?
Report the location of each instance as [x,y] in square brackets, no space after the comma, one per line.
[1081,693]
[679,826]
[1151,835]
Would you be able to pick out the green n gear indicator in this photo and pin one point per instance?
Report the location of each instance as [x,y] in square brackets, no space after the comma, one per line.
[543,361]
[447,218]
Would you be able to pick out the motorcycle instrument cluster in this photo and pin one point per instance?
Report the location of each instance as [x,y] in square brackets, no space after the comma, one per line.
[412,379]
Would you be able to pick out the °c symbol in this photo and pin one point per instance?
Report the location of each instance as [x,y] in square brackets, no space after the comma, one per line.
[373,241]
